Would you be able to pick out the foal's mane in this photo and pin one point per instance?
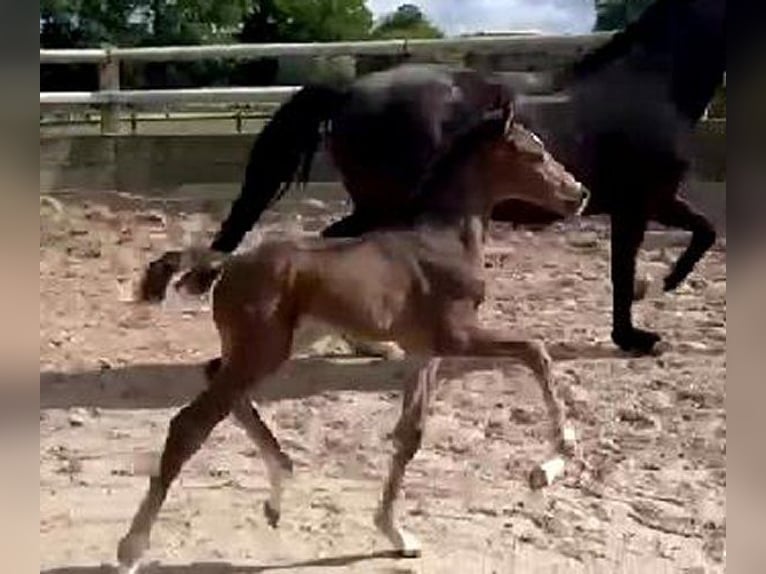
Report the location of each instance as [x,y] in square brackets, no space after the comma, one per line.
[621,43]
[453,157]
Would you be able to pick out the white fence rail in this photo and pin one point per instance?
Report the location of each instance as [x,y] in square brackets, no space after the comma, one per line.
[146,98]
[522,45]
[525,51]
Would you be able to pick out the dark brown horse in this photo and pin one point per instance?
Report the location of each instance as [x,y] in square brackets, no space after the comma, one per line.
[419,284]
[629,110]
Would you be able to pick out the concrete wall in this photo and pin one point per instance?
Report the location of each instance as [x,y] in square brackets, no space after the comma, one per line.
[149,163]
[165,162]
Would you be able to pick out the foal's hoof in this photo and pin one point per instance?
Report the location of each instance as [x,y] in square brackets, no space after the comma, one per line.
[272,515]
[636,340]
[568,444]
[129,552]
[405,544]
[387,350]
[545,474]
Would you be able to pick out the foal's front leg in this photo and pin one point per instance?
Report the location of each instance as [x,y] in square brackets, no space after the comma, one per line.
[407,437]
[480,342]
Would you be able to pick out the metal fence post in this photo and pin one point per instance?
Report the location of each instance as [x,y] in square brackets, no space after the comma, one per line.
[109,79]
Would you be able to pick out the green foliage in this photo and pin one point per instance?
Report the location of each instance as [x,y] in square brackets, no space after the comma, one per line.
[301,21]
[408,21]
[324,20]
[91,23]
[306,21]
[616,14]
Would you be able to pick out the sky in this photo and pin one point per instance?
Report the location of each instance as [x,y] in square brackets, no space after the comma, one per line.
[469,16]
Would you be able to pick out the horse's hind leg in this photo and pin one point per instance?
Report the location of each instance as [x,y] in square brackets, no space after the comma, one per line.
[678,213]
[407,437]
[626,238]
[188,430]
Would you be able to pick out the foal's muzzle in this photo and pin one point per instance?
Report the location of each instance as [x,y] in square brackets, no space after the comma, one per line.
[585,193]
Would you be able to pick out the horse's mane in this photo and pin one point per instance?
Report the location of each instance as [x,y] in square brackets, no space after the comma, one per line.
[452,157]
[621,43]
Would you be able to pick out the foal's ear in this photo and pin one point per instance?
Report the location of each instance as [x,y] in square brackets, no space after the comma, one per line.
[509,113]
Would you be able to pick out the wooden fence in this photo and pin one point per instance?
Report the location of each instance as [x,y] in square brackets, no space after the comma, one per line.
[521,53]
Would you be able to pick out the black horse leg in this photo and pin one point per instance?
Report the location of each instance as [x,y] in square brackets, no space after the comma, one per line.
[627,236]
[350,226]
[678,213]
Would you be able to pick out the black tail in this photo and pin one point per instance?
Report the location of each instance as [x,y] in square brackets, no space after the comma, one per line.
[281,154]
[202,266]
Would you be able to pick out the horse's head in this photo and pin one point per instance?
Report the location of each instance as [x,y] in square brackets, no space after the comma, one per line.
[520,167]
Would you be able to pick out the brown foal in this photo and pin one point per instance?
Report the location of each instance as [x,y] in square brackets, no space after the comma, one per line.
[419,285]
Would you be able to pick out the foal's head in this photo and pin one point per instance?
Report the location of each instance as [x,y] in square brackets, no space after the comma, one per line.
[518,166]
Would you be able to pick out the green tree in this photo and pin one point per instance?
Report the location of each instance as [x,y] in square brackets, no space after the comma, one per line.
[324,20]
[306,21]
[195,21]
[616,14]
[408,21]
[90,23]
[300,21]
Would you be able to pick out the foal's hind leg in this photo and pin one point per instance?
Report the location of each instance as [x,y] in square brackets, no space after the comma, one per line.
[352,225]
[678,213]
[188,430]
[407,436]
[279,467]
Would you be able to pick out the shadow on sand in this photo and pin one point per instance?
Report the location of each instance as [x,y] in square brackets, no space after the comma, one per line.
[156,386]
[227,568]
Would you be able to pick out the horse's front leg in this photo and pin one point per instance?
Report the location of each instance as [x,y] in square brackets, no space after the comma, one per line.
[407,437]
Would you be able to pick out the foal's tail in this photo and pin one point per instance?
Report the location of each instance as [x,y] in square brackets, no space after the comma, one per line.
[202,267]
[282,153]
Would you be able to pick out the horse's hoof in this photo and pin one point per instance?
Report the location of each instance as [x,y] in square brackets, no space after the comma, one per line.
[636,340]
[272,515]
[129,552]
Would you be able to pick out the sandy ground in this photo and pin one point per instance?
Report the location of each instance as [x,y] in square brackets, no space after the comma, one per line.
[654,429]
